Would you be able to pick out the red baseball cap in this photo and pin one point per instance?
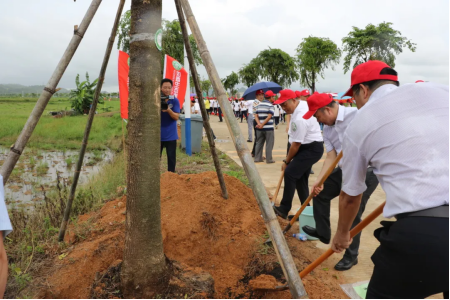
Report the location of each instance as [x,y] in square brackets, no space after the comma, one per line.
[298,94]
[285,95]
[259,92]
[269,93]
[417,81]
[305,93]
[315,102]
[369,71]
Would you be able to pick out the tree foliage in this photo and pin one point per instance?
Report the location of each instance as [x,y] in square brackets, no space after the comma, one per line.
[314,55]
[205,86]
[380,42]
[249,73]
[172,39]
[277,66]
[81,98]
[230,82]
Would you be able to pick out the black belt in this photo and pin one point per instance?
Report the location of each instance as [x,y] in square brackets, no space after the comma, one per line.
[435,212]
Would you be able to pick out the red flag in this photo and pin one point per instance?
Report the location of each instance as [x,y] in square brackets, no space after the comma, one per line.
[175,71]
[124,69]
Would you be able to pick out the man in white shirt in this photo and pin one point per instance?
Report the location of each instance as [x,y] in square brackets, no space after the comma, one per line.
[407,144]
[336,119]
[5,229]
[306,149]
[249,104]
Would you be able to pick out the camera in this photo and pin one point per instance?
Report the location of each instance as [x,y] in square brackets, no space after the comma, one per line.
[164,105]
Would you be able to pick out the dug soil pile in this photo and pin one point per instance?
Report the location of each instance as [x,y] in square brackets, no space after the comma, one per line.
[201,230]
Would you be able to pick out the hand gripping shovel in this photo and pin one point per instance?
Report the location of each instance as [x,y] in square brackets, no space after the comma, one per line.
[322,180]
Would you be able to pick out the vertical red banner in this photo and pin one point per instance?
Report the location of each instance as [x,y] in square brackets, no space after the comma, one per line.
[124,69]
[174,70]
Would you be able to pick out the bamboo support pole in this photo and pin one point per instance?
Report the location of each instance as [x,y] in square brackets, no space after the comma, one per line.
[212,145]
[322,180]
[284,255]
[18,147]
[87,130]
[357,229]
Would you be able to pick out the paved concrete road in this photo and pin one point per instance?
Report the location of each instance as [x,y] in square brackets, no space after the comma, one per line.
[270,174]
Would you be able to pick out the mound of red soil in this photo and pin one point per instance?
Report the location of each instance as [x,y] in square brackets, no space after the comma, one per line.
[200,229]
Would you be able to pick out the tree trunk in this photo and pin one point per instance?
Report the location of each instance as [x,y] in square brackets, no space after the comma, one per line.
[144,269]
[313,80]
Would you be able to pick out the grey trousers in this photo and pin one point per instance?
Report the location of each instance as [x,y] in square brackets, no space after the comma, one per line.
[262,137]
[250,127]
[332,189]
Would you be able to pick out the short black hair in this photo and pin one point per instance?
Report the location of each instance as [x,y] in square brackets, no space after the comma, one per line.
[166,80]
[371,85]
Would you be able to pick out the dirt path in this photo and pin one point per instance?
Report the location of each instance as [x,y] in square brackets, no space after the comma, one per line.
[270,174]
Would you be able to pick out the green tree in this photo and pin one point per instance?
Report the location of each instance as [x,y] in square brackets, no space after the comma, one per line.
[172,39]
[380,42]
[81,98]
[314,55]
[205,86]
[230,82]
[248,74]
[277,66]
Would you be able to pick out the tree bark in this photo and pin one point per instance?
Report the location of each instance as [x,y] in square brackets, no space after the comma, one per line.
[212,145]
[87,130]
[313,80]
[144,269]
[47,93]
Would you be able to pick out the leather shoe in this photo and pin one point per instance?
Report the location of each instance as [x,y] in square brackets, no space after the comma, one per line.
[313,232]
[279,213]
[345,264]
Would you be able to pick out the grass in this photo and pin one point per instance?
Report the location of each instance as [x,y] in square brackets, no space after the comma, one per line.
[42,168]
[59,133]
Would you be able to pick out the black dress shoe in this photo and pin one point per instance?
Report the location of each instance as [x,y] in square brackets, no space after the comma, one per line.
[345,264]
[279,213]
[313,232]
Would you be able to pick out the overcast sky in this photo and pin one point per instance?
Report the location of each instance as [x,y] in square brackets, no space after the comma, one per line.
[34,35]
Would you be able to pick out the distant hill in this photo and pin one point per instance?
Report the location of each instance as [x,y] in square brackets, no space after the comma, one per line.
[18,89]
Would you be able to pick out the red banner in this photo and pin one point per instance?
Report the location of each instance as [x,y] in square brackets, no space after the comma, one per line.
[175,71]
[124,69]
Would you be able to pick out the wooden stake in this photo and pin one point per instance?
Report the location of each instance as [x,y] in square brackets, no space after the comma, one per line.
[281,248]
[212,144]
[357,229]
[87,130]
[47,93]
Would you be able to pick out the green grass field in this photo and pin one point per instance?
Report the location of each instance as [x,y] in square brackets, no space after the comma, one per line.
[60,133]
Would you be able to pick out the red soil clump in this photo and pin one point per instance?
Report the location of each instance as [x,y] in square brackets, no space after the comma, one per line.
[200,230]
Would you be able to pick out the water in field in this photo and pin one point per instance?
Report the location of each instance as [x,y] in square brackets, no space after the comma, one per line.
[36,172]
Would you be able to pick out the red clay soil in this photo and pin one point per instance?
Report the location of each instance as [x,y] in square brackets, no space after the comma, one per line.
[200,230]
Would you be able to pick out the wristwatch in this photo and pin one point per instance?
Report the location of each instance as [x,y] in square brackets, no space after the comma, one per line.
[285,162]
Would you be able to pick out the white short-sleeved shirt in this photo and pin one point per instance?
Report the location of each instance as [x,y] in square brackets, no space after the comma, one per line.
[334,135]
[403,133]
[236,106]
[277,110]
[5,223]
[243,106]
[301,130]
[249,104]
[196,107]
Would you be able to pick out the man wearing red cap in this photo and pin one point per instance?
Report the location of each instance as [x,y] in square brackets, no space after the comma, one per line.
[306,149]
[264,128]
[408,147]
[336,119]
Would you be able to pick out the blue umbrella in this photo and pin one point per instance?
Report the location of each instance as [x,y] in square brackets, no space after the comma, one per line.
[339,96]
[250,93]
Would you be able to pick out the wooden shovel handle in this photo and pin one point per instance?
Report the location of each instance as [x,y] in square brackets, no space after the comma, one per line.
[322,180]
[357,229]
[278,188]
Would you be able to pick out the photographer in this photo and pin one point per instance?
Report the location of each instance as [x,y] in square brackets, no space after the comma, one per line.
[170,111]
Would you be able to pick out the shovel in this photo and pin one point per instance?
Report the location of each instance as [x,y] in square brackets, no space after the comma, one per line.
[274,202]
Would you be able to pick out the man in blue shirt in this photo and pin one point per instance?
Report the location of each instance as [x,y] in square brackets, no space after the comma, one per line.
[169,118]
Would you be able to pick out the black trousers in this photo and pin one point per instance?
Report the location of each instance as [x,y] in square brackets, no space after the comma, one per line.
[296,174]
[243,114]
[277,120]
[171,150]
[331,190]
[412,259]
[254,135]
[220,114]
